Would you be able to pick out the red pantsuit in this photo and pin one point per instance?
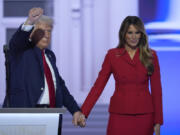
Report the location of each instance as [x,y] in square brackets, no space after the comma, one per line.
[131,104]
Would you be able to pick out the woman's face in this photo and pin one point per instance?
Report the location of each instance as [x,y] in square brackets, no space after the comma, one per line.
[132,36]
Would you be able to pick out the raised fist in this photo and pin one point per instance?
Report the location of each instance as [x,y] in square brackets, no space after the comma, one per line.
[34,15]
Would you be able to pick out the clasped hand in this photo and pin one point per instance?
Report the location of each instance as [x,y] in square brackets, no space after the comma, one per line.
[79,119]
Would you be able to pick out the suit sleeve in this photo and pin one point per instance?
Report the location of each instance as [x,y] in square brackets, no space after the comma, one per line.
[156,91]
[20,41]
[68,100]
[98,87]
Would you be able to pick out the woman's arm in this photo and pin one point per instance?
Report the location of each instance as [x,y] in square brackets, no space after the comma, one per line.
[98,87]
[156,91]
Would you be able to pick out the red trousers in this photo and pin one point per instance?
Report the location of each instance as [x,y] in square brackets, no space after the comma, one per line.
[141,124]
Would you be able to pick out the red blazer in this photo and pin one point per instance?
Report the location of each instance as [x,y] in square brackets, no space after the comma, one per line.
[131,95]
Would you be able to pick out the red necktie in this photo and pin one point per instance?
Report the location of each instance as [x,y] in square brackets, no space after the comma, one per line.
[50,83]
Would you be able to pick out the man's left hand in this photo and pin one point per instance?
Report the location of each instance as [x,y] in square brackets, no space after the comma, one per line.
[79,119]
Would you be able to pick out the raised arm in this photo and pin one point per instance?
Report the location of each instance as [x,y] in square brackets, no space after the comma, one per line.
[20,40]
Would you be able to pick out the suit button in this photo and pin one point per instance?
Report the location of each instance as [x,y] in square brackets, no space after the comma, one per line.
[42,88]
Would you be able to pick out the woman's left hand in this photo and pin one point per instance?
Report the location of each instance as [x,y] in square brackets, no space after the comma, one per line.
[157,129]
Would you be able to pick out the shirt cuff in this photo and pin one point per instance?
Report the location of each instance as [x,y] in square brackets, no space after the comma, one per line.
[27,28]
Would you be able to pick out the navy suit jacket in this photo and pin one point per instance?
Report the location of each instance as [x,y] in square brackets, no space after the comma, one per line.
[27,75]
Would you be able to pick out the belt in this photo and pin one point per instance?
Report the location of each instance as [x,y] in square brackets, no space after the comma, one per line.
[42,106]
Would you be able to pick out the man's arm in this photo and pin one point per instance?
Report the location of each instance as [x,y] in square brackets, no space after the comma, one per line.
[70,103]
[20,40]
[68,100]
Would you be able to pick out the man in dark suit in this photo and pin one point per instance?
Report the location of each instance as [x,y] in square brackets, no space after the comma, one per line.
[34,77]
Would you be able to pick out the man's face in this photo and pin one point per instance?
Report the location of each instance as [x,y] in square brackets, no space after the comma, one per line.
[45,40]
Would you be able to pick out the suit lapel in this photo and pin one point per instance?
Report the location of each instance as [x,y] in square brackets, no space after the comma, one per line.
[49,57]
[126,57]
